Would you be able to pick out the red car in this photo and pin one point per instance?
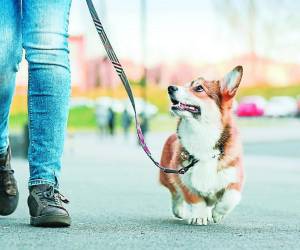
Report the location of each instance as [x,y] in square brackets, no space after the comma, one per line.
[251,106]
[249,109]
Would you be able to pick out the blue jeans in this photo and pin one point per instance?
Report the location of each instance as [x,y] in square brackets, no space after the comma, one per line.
[40,27]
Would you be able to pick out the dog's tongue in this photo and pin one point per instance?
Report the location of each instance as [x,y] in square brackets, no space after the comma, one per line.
[186,107]
[183,106]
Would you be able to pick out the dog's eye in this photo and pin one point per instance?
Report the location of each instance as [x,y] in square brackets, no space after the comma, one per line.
[199,88]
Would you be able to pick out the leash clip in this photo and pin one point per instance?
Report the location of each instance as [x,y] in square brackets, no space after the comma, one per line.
[182,171]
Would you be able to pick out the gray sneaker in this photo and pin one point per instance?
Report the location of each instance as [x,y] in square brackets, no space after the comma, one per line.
[46,208]
[9,194]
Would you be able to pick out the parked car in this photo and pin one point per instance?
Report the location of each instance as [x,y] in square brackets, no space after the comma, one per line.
[281,106]
[119,106]
[235,105]
[106,102]
[251,106]
[81,102]
[146,108]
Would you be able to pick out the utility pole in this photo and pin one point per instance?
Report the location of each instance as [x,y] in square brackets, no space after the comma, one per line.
[143,82]
[105,61]
[251,35]
[103,11]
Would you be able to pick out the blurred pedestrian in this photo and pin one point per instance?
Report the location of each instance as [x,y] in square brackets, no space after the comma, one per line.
[111,121]
[126,122]
[143,119]
[298,107]
[41,29]
[102,117]
[144,123]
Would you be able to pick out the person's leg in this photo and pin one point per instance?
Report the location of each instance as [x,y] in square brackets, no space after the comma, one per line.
[45,40]
[10,56]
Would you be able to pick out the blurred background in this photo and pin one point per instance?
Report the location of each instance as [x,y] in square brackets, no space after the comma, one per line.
[164,42]
[113,186]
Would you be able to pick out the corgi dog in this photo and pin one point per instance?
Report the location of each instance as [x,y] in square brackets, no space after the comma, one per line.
[208,137]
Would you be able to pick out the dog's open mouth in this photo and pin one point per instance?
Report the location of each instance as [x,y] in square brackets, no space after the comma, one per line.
[176,105]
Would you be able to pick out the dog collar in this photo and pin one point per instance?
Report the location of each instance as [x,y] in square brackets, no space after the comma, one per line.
[186,156]
[188,160]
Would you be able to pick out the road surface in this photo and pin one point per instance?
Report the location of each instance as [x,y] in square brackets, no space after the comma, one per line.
[117,203]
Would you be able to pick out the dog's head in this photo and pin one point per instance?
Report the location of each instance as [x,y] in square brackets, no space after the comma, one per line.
[200,99]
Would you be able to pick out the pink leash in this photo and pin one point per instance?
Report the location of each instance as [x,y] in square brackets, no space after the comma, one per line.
[119,69]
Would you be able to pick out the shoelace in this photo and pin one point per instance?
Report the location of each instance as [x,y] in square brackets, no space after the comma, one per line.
[52,197]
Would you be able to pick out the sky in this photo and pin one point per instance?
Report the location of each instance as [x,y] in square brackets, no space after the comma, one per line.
[194,31]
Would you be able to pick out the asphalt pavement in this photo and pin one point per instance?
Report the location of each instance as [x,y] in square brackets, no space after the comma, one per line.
[117,203]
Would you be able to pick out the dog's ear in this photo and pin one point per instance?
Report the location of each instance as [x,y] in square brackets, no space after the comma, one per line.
[230,83]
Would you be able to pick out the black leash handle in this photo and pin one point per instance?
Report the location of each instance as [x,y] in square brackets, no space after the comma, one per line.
[119,69]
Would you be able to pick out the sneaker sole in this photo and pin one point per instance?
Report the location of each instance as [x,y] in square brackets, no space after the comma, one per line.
[50,221]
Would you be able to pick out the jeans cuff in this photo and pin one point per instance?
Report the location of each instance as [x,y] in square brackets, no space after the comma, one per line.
[3,150]
[41,182]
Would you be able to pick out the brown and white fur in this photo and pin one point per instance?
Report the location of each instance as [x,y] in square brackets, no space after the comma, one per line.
[206,129]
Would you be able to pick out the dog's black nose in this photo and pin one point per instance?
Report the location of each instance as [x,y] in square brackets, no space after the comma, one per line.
[172,89]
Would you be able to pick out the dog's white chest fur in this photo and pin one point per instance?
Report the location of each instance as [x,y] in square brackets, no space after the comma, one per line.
[199,139]
[206,179]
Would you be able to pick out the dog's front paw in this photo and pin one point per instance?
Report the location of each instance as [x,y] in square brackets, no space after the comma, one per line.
[217,217]
[201,221]
[180,208]
[229,200]
[181,211]
[200,215]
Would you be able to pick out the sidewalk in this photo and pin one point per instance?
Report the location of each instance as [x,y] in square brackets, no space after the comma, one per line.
[117,203]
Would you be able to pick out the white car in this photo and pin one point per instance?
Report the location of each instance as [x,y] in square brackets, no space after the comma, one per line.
[119,106]
[81,102]
[259,101]
[106,102]
[281,106]
[147,108]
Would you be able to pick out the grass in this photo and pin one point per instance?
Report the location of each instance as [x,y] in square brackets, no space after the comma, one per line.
[17,120]
[158,94]
[268,91]
[79,118]
[84,118]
